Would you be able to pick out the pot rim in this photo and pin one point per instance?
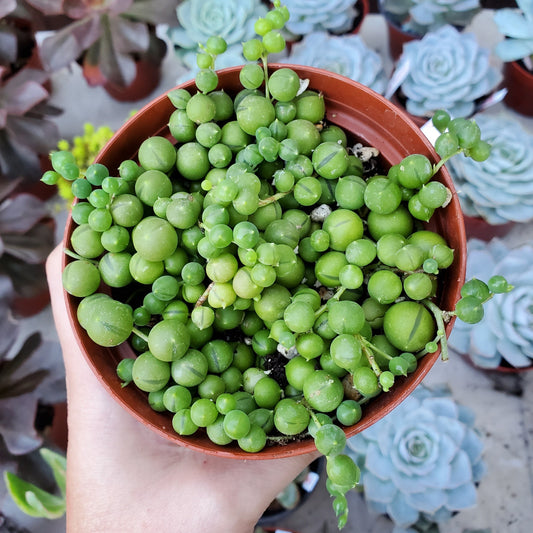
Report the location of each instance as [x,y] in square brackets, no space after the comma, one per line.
[158,111]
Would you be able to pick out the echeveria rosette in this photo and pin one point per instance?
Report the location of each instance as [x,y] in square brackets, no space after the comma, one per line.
[347,55]
[517,27]
[506,332]
[307,16]
[447,70]
[422,461]
[200,19]
[499,189]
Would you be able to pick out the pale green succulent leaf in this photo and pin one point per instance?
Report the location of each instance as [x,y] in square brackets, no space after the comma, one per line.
[442,406]
[463,497]
[379,490]
[401,512]
[428,500]
[58,463]
[454,428]
[513,50]
[461,470]
[513,24]
[289,497]
[472,445]
[527,8]
[32,500]
[380,464]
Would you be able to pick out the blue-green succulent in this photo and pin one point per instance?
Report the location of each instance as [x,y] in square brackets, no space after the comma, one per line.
[200,19]
[517,27]
[346,54]
[499,189]
[335,16]
[422,461]
[505,335]
[447,70]
[421,16]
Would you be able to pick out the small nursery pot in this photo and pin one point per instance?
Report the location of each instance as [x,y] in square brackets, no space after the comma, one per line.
[368,118]
[397,38]
[519,83]
[147,73]
[478,228]
[504,368]
[364,9]
[147,78]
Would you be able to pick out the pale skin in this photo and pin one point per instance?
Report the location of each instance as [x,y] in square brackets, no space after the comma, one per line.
[123,477]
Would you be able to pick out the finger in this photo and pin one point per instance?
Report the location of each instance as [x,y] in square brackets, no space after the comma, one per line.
[75,367]
[83,388]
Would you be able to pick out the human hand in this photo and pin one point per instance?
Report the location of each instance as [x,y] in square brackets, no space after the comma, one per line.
[123,477]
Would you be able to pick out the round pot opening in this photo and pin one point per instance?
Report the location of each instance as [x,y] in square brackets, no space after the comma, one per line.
[368,118]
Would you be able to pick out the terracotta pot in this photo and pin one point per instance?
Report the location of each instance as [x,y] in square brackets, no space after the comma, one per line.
[51,422]
[59,430]
[24,307]
[478,228]
[370,119]
[364,8]
[397,38]
[519,83]
[504,368]
[147,78]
